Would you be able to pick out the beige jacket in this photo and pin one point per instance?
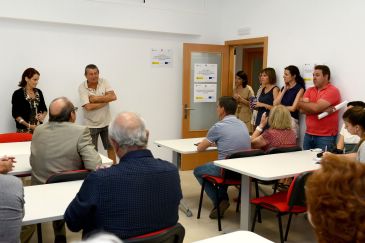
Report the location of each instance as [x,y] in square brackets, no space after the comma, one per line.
[60,146]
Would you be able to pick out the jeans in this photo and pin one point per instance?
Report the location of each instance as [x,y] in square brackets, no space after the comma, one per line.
[213,170]
[322,142]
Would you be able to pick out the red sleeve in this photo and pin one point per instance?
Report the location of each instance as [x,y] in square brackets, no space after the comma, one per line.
[267,136]
[332,96]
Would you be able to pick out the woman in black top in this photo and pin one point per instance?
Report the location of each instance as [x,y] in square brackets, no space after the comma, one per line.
[29,108]
[269,92]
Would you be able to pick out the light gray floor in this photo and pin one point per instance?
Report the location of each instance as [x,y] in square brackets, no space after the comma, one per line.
[198,229]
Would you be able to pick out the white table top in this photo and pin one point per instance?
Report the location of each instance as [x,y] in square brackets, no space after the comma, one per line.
[237,237]
[182,146]
[272,166]
[21,152]
[48,202]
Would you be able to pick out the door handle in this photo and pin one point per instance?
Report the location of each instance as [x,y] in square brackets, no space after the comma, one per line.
[186,109]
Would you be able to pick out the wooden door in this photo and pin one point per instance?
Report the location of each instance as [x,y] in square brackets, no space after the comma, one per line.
[198,116]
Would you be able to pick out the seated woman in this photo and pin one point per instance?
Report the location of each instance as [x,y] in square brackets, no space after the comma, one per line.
[280,133]
[335,200]
[346,141]
[354,119]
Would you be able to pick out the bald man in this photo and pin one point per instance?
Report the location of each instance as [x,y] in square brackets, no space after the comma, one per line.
[60,145]
[143,192]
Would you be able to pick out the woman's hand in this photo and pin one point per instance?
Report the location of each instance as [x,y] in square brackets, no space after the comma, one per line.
[263,121]
[40,117]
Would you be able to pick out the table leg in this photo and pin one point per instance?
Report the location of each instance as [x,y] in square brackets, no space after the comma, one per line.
[245,202]
[176,159]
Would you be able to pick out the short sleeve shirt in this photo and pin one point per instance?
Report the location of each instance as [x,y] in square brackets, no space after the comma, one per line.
[279,138]
[360,156]
[230,135]
[100,117]
[327,126]
[348,137]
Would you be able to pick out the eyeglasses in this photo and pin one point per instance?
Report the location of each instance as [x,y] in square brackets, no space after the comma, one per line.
[75,109]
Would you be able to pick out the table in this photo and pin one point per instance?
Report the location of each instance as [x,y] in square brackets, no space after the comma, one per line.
[178,147]
[237,237]
[181,146]
[266,167]
[21,152]
[40,208]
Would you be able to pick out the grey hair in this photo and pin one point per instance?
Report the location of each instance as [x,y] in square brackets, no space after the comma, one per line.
[101,238]
[128,129]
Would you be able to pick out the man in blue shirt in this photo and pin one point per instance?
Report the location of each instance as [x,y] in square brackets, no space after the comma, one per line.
[229,135]
[139,195]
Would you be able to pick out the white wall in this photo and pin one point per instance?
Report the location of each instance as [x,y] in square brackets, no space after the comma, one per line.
[61,51]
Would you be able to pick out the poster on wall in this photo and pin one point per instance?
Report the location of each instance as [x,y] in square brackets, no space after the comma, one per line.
[308,74]
[161,57]
[205,92]
[205,73]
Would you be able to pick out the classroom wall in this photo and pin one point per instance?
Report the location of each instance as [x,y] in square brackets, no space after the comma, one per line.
[36,36]
[60,37]
[327,31]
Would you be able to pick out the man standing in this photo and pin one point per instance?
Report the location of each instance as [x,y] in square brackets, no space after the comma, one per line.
[95,94]
[60,145]
[143,192]
[229,135]
[320,133]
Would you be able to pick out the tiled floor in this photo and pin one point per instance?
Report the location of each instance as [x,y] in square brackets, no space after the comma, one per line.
[197,229]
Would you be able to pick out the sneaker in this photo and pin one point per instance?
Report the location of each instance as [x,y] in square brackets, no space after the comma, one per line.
[223,205]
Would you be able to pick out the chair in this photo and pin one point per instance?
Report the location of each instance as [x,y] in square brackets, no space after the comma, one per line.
[274,150]
[174,234]
[287,202]
[69,175]
[15,137]
[228,178]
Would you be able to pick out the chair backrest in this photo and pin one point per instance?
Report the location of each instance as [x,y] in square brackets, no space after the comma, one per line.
[15,137]
[69,175]
[173,234]
[240,154]
[296,192]
[277,150]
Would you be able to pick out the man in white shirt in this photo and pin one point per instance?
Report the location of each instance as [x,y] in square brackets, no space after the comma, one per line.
[95,95]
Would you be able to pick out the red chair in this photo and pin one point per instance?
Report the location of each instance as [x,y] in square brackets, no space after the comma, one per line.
[174,234]
[228,178]
[15,137]
[287,202]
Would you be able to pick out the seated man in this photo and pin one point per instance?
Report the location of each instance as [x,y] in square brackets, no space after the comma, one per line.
[60,145]
[229,135]
[6,164]
[11,203]
[143,192]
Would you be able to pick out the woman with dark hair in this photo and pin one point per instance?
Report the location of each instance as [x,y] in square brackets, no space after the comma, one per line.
[29,108]
[336,202]
[291,93]
[268,94]
[354,119]
[242,93]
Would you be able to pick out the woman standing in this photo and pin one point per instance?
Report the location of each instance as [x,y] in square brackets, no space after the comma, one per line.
[269,93]
[242,93]
[29,108]
[291,93]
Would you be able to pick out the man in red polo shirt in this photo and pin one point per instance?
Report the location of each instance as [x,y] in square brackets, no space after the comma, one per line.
[320,133]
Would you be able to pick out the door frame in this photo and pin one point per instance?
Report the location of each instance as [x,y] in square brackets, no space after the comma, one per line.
[244,42]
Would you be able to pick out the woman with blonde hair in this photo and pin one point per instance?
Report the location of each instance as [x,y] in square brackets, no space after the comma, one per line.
[280,133]
[336,202]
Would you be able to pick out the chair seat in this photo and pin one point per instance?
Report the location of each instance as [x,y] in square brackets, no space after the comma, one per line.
[277,202]
[221,180]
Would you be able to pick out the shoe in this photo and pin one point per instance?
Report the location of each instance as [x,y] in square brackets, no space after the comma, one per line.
[223,205]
